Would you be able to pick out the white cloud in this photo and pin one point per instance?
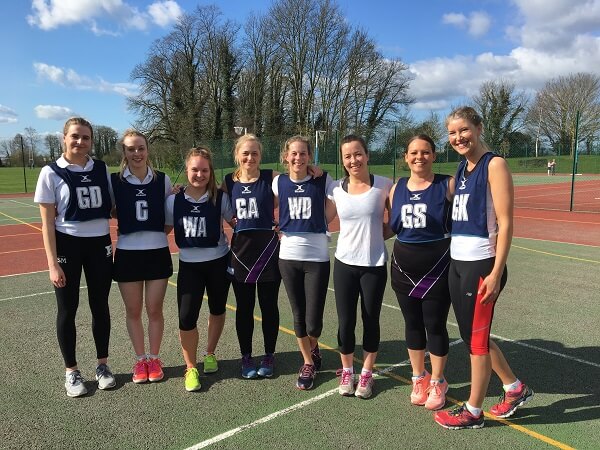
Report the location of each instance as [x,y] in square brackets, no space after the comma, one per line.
[7,115]
[102,17]
[164,13]
[53,112]
[70,78]
[551,39]
[477,24]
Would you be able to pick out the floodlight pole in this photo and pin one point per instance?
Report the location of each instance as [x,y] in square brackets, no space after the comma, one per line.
[318,133]
[537,138]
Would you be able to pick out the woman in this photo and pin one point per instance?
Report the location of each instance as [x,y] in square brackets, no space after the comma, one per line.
[304,255]
[196,213]
[142,263]
[75,204]
[360,258]
[482,227]
[254,253]
[419,270]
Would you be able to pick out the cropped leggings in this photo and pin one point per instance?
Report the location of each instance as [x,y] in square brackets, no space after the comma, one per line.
[350,283]
[94,256]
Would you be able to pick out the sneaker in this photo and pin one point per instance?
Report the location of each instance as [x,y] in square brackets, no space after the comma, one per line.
[248,367]
[210,364]
[316,357]
[458,418]
[266,366]
[306,377]
[511,400]
[74,384]
[364,389]
[105,378]
[346,387]
[437,395]
[418,396]
[155,372]
[192,379]
[140,372]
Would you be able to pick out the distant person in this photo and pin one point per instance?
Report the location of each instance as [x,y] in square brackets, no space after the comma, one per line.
[421,219]
[549,167]
[553,168]
[142,263]
[359,269]
[196,214]
[304,253]
[75,204]
[254,253]
[482,228]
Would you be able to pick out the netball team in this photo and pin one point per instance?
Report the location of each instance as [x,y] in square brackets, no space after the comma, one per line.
[452,238]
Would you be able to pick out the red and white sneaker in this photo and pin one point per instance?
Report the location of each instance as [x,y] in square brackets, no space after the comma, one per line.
[511,400]
[155,372]
[437,395]
[364,389]
[420,389]
[458,418]
[140,372]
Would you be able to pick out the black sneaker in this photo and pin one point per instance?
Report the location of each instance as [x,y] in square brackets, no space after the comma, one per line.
[306,377]
[316,357]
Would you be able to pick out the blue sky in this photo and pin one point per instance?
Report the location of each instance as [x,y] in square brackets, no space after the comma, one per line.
[65,57]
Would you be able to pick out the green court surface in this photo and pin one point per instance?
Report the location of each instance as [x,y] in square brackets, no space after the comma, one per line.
[546,322]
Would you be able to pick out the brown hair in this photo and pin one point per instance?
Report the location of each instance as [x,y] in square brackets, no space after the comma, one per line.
[352,138]
[205,153]
[132,132]
[421,137]
[290,141]
[78,121]
[238,144]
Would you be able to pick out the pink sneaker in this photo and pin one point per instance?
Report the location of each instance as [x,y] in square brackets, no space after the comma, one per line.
[140,372]
[418,396]
[511,400]
[155,372]
[437,395]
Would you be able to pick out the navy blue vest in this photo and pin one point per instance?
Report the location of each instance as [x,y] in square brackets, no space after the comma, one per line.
[469,213]
[302,205]
[252,202]
[421,216]
[197,224]
[140,207]
[89,197]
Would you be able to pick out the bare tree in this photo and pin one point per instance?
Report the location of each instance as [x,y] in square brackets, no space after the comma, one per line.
[502,109]
[53,143]
[555,109]
[105,140]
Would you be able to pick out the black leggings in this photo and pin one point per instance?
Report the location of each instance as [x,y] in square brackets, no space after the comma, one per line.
[349,282]
[306,286]
[245,296]
[94,256]
[192,280]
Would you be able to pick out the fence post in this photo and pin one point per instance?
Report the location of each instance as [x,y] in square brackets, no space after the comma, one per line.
[574,160]
[23,158]
[395,155]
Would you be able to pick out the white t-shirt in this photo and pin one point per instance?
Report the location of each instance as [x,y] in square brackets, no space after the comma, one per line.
[360,242]
[51,188]
[198,254]
[143,240]
[312,247]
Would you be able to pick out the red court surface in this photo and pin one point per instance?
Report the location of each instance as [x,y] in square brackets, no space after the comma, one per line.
[557,195]
[22,249]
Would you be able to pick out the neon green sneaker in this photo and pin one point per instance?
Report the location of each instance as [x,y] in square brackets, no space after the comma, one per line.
[192,380]
[210,364]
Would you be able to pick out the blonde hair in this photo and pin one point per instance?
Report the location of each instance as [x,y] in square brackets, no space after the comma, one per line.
[205,153]
[470,115]
[238,144]
[132,132]
[78,121]
[290,141]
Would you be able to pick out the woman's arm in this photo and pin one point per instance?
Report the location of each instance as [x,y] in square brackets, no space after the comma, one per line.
[56,274]
[501,187]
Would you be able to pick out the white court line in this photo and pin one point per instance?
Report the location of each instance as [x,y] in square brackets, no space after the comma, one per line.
[285,411]
[35,205]
[523,344]
[24,273]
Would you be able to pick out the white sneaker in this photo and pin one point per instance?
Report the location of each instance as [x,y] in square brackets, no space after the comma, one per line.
[365,386]
[74,384]
[346,387]
[105,378]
